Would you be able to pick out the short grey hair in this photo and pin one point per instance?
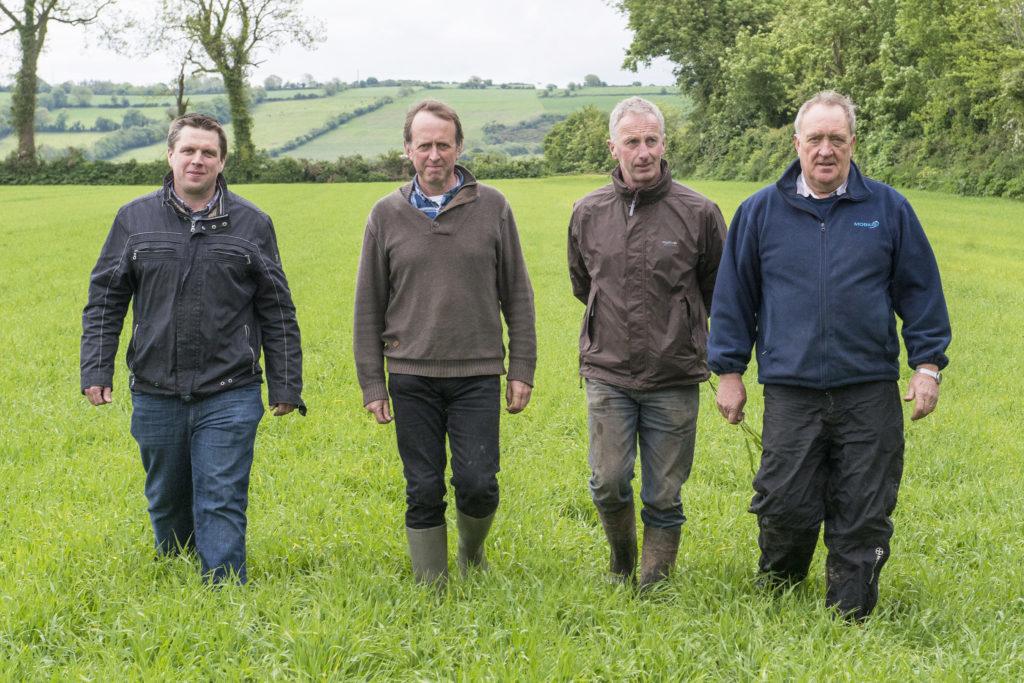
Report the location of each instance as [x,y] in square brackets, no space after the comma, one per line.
[634,105]
[829,98]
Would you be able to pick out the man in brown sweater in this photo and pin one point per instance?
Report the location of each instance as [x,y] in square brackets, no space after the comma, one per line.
[643,256]
[441,263]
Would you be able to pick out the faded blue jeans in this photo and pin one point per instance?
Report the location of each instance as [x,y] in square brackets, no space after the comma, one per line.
[197,455]
[664,423]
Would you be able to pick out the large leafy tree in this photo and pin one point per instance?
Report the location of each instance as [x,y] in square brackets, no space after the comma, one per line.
[695,35]
[233,34]
[30,20]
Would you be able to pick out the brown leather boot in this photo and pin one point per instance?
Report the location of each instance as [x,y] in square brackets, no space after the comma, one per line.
[620,529]
[659,556]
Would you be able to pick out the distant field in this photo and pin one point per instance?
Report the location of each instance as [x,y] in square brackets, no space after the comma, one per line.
[331,595]
[280,119]
[380,131]
[52,141]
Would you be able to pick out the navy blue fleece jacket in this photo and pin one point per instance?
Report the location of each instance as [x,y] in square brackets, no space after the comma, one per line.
[816,286]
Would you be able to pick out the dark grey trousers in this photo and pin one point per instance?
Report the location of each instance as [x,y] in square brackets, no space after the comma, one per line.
[832,456]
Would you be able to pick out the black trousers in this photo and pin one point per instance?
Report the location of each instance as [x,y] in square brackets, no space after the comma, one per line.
[467,411]
[832,456]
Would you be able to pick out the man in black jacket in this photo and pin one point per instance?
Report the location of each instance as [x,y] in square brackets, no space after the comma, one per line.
[201,268]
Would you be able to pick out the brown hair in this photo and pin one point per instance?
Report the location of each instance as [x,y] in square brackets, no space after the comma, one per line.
[438,109]
[201,121]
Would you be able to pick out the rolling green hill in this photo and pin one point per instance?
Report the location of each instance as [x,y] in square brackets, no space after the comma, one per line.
[281,118]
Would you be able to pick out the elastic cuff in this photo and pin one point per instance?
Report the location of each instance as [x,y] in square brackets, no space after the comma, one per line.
[374,392]
[521,370]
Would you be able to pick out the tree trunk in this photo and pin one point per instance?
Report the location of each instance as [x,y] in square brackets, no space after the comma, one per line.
[241,119]
[182,101]
[23,99]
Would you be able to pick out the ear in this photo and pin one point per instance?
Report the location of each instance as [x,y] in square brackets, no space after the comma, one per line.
[611,149]
[796,143]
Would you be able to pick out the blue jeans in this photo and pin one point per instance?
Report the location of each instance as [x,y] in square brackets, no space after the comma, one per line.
[468,411]
[664,421]
[197,456]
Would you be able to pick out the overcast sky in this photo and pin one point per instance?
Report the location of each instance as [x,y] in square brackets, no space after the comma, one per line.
[533,41]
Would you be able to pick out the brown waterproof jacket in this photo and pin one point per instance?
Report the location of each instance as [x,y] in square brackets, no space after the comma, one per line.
[644,263]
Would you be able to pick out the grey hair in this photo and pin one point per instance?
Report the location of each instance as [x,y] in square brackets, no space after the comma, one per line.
[634,105]
[829,98]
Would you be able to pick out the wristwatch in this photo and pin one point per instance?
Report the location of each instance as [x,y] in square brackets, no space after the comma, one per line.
[937,376]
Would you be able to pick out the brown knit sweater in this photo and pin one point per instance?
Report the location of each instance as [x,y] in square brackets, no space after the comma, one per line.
[430,293]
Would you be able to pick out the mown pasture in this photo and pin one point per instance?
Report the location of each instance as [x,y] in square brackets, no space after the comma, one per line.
[331,596]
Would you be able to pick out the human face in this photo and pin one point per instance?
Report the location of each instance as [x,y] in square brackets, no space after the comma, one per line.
[638,147]
[433,152]
[825,147]
[195,163]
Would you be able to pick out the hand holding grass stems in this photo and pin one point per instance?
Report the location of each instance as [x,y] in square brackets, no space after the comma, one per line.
[752,439]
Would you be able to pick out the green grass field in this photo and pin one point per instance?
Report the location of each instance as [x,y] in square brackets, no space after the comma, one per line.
[331,595]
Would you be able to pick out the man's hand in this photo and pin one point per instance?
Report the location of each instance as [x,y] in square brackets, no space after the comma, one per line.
[731,397]
[517,395]
[279,409]
[924,392]
[381,410]
[99,395]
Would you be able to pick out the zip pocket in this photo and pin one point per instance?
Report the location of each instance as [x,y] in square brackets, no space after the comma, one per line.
[251,351]
[230,256]
[154,253]
[134,346]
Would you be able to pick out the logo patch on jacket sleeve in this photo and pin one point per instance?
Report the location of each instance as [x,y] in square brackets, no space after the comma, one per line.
[866,226]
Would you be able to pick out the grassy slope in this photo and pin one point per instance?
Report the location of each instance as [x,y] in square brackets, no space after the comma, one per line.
[331,593]
[277,122]
[380,131]
[54,141]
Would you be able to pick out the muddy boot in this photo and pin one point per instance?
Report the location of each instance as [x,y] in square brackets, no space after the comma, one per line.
[428,550]
[472,533]
[659,556]
[620,529]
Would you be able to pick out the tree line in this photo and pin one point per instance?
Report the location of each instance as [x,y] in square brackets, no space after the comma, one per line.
[939,83]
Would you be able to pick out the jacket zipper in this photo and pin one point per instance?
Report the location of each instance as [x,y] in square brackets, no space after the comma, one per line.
[823,301]
[632,204]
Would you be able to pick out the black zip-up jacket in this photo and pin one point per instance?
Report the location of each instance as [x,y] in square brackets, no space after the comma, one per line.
[207,295]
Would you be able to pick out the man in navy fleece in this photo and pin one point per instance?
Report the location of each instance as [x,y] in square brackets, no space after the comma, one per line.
[814,268]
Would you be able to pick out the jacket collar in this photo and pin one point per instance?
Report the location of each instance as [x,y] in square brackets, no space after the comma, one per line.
[856,189]
[648,195]
[466,192]
[220,209]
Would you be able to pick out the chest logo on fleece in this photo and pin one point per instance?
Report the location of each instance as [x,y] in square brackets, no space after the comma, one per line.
[866,226]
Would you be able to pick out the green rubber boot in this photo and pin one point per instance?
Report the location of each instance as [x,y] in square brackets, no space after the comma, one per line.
[428,550]
[472,533]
